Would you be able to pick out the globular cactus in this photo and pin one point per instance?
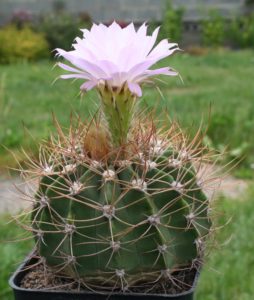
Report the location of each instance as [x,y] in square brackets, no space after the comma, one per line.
[116,220]
[120,203]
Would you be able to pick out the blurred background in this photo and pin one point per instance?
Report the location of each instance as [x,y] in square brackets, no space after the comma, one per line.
[217,68]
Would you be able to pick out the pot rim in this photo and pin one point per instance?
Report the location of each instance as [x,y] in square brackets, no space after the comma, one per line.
[17,275]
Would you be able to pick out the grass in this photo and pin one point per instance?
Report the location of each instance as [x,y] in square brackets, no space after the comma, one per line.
[227,275]
[11,253]
[221,80]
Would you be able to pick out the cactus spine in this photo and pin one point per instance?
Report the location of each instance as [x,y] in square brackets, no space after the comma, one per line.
[118,223]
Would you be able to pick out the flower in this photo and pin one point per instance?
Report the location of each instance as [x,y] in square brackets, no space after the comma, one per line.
[116,56]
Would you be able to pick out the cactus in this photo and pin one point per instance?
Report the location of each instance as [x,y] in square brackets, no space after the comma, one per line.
[115,220]
[121,200]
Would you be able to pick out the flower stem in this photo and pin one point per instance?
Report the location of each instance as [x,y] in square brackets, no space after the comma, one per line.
[118,107]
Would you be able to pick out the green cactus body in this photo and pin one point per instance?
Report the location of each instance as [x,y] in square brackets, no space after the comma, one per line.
[124,222]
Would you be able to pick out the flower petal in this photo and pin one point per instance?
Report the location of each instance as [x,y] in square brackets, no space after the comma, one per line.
[68,76]
[117,55]
[68,68]
[85,65]
[88,85]
[135,88]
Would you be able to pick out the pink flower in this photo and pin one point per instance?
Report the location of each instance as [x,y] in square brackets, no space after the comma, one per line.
[116,56]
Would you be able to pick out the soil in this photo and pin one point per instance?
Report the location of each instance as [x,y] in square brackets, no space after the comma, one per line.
[36,278]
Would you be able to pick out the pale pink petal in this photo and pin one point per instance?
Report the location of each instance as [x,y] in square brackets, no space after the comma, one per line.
[88,85]
[108,67]
[117,79]
[161,71]
[81,76]
[140,68]
[68,68]
[153,39]
[162,50]
[91,68]
[135,88]
[142,30]
[117,56]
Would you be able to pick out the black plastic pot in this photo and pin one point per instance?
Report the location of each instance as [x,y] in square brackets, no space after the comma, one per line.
[33,294]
